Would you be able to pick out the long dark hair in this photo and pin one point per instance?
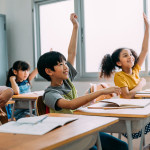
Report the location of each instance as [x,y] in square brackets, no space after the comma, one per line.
[109,62]
[18,65]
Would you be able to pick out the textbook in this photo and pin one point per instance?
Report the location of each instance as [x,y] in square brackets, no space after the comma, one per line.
[147,91]
[120,103]
[38,125]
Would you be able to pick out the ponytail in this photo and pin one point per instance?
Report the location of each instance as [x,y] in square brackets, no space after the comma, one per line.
[18,65]
[109,62]
[107,66]
[10,73]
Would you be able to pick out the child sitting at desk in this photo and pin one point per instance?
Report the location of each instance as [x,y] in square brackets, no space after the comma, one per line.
[128,79]
[19,79]
[61,95]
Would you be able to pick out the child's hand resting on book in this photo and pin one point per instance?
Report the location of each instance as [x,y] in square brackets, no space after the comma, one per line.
[114,89]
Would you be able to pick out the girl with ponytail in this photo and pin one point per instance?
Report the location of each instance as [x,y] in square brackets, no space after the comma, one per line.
[130,64]
[19,78]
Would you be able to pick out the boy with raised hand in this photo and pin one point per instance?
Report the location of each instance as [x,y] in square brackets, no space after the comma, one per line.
[61,95]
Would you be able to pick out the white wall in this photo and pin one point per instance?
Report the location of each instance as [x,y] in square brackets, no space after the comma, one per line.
[2,6]
[20,38]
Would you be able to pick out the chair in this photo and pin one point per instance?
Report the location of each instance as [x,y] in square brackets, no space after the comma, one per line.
[41,108]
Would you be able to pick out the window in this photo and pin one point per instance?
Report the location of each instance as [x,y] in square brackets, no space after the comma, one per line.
[104,26]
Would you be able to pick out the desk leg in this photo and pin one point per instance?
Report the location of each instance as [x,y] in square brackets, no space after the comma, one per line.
[142,136]
[30,108]
[13,110]
[129,133]
[98,142]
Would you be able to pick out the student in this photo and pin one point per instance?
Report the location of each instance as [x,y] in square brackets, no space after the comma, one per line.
[5,95]
[61,95]
[128,79]
[19,80]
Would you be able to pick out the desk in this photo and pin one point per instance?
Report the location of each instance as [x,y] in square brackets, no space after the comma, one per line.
[130,120]
[60,138]
[25,101]
[143,95]
[10,102]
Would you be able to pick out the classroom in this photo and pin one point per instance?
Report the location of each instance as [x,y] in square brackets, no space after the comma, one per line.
[30,28]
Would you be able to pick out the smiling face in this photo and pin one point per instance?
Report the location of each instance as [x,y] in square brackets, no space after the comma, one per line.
[61,70]
[59,74]
[126,59]
[21,75]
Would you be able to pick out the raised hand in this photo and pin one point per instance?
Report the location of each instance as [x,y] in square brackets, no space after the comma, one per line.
[145,20]
[73,18]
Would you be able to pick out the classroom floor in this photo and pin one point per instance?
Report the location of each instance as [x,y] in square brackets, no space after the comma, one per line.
[136,142]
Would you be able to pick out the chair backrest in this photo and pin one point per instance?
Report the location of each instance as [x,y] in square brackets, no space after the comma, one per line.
[96,87]
[3,115]
[40,106]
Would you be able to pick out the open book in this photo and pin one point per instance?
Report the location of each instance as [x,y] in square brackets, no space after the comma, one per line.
[147,91]
[120,103]
[38,125]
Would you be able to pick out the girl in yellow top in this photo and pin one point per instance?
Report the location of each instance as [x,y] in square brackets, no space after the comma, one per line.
[126,59]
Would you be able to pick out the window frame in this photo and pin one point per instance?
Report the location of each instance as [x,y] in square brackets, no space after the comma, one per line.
[81,50]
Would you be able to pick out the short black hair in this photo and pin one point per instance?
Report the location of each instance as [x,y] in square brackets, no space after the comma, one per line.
[49,60]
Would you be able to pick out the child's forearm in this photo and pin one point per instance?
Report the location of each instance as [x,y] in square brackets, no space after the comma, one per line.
[145,40]
[146,35]
[80,101]
[73,45]
[33,74]
[145,43]
[137,88]
[129,95]
[14,86]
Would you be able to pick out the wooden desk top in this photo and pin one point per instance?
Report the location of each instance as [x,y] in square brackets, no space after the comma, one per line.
[10,102]
[144,95]
[85,125]
[132,112]
[32,95]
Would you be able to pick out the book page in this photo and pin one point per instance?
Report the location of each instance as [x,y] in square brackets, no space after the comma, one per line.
[120,103]
[32,120]
[39,128]
[129,102]
[147,91]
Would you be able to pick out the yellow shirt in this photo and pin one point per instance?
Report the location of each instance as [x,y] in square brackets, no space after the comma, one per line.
[123,79]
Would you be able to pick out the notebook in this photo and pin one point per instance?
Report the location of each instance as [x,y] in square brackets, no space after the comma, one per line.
[120,103]
[147,91]
[38,125]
